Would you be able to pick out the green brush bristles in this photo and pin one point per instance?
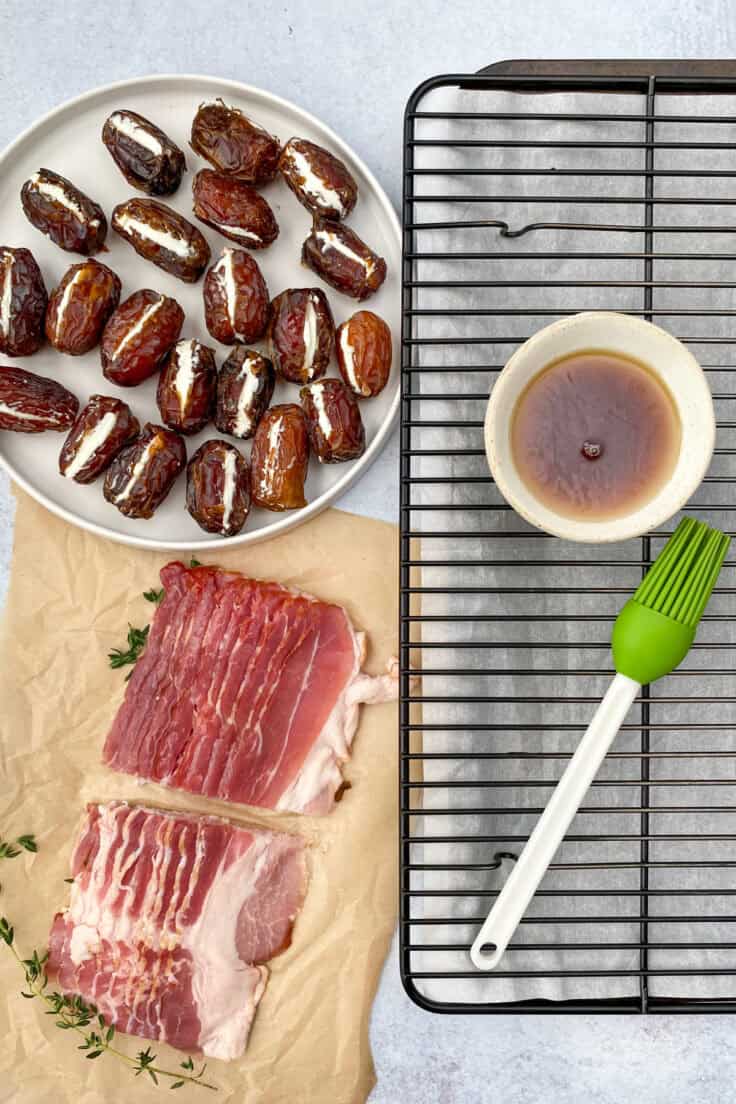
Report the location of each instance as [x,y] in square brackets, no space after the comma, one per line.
[680,581]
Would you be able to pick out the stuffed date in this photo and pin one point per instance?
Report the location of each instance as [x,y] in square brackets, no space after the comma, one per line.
[244,389]
[301,334]
[146,157]
[33,404]
[343,260]
[236,302]
[218,488]
[63,213]
[334,423]
[22,303]
[102,428]
[141,476]
[162,236]
[364,353]
[234,144]
[186,387]
[138,337]
[320,181]
[234,209]
[279,458]
[80,306]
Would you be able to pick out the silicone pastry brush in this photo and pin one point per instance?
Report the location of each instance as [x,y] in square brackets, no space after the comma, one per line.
[651,636]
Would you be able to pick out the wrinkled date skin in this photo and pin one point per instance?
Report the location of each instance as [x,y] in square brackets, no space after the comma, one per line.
[334,423]
[236,300]
[218,488]
[141,476]
[80,306]
[162,236]
[244,389]
[234,144]
[301,334]
[146,157]
[32,404]
[364,353]
[103,427]
[22,303]
[59,210]
[186,387]
[234,208]
[279,458]
[343,260]
[320,181]
[138,336]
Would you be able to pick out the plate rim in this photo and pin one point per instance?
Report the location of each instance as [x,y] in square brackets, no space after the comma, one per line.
[289,520]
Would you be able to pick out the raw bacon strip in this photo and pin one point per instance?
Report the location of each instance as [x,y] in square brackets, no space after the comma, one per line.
[171,919]
[247,691]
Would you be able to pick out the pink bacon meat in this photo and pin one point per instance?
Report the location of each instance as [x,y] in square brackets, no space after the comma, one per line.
[247,691]
[171,920]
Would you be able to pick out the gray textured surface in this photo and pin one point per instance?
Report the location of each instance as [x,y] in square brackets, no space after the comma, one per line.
[354,65]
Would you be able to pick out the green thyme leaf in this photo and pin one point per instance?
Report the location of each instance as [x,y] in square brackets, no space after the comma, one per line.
[194,563]
[154,596]
[136,643]
[27,842]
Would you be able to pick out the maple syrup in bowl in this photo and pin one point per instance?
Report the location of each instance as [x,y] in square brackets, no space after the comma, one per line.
[600,427]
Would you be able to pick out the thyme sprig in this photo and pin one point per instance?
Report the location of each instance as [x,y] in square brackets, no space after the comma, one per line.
[10,850]
[75,1014]
[154,595]
[136,643]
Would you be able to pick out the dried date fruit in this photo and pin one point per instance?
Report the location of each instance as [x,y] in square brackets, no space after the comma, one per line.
[138,336]
[22,303]
[343,260]
[236,302]
[146,157]
[218,488]
[364,353]
[162,236]
[186,387]
[244,389]
[334,423]
[320,181]
[234,208]
[141,476]
[59,210]
[234,144]
[301,334]
[102,428]
[32,404]
[279,458]
[80,306]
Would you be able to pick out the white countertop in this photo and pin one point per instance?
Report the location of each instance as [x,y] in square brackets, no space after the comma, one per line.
[354,64]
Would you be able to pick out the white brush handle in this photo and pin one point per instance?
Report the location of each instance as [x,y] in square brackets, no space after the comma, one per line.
[551,827]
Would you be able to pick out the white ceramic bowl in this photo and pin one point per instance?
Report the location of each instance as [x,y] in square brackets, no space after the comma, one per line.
[631,337]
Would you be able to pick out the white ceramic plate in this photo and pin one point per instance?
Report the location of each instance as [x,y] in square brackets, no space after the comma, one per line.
[68,141]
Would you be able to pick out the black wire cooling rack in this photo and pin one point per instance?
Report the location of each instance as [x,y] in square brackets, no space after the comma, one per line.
[543,189]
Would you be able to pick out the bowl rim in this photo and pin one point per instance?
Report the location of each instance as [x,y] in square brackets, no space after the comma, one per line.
[663,505]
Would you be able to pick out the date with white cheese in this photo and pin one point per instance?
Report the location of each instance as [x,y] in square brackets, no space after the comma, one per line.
[141,476]
[22,303]
[364,349]
[162,236]
[102,428]
[245,386]
[336,431]
[236,300]
[342,259]
[301,334]
[320,181]
[279,458]
[218,488]
[80,306]
[234,209]
[33,404]
[63,213]
[145,155]
[139,336]
[186,387]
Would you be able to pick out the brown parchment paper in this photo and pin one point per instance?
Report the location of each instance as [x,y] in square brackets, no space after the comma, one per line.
[70,599]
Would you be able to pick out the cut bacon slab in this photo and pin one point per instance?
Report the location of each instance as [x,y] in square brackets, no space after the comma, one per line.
[171,920]
[247,691]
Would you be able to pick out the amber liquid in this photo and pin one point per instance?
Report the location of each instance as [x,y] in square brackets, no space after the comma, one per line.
[595,435]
